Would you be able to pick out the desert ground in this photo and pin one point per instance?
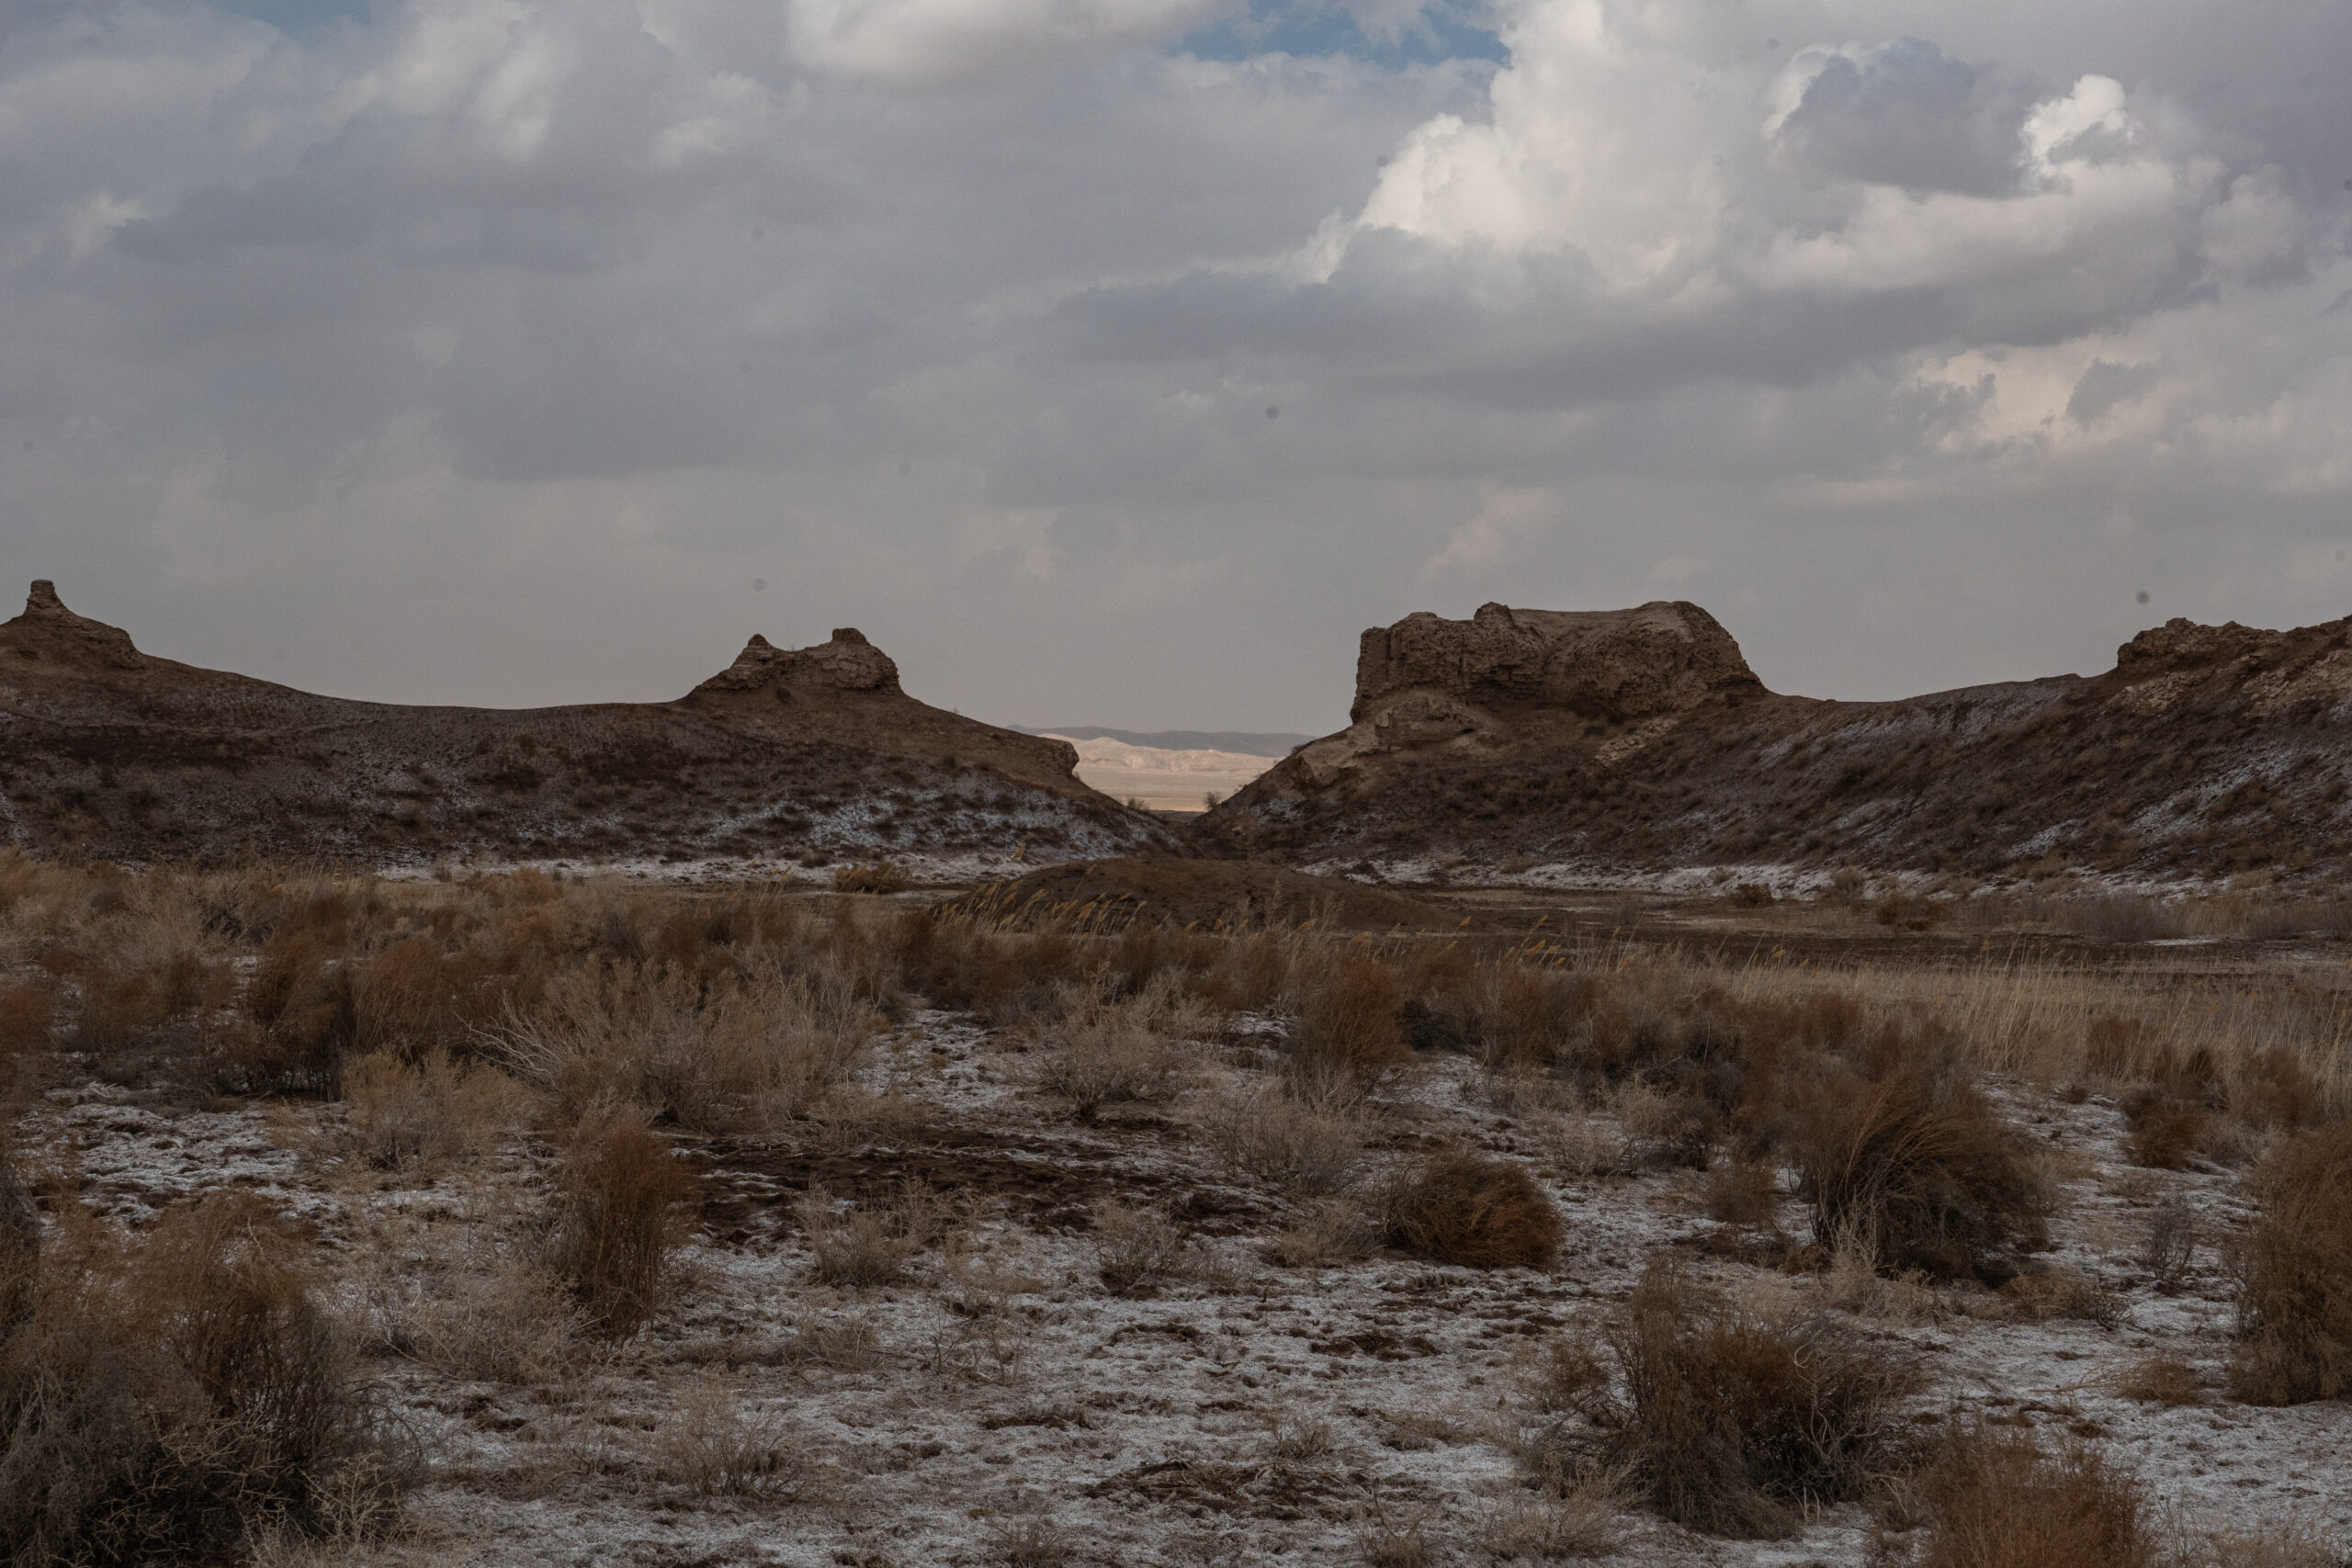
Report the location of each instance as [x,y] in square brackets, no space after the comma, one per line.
[521,1218]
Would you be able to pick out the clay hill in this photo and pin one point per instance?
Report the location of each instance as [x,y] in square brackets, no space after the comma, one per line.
[1637,740]
[813,753]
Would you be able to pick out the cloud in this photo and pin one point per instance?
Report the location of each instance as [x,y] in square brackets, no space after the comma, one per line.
[489,349]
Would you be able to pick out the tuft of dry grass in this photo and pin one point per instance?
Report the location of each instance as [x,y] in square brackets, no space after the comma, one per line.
[1994,1499]
[1476,1211]
[1298,1146]
[2160,1380]
[1350,1020]
[1913,1159]
[866,1245]
[1136,1247]
[621,1196]
[734,1053]
[1724,1417]
[884,877]
[2294,1275]
[427,1112]
[1109,1051]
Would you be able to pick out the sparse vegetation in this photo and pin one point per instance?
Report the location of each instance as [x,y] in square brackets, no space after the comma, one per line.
[2295,1275]
[540,1156]
[1482,1214]
[1724,1416]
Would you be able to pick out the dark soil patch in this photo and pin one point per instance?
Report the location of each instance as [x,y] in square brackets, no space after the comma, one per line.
[1045,1183]
[1205,895]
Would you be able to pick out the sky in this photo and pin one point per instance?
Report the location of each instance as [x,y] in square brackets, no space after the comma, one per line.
[1117,362]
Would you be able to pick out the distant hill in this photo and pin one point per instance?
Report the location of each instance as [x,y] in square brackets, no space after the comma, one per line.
[1639,741]
[1247,742]
[107,750]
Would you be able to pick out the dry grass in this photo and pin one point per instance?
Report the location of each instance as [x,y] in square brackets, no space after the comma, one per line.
[2160,1380]
[1136,1249]
[1111,1051]
[622,1196]
[1996,1499]
[1479,1212]
[165,1397]
[1912,1158]
[1724,1417]
[719,1444]
[2294,1275]
[400,1114]
[745,1051]
[1350,1019]
[1300,1147]
[867,1244]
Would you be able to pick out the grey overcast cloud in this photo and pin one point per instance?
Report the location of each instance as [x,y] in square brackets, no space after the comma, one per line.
[1117,361]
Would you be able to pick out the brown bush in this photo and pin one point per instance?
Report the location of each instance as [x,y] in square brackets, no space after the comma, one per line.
[869,1244]
[2160,1380]
[1479,1212]
[163,1399]
[885,877]
[2164,1132]
[1296,1143]
[1349,1021]
[26,1014]
[1994,1499]
[621,1193]
[1914,1162]
[2294,1275]
[1727,1420]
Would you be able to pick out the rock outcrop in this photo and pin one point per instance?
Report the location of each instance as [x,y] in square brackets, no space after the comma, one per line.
[1639,742]
[1662,658]
[811,753]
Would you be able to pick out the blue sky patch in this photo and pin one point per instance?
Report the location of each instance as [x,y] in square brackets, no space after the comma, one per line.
[1442,31]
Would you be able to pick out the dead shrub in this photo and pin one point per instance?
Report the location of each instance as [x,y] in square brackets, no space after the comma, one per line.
[1136,1249]
[2294,1275]
[1724,1418]
[724,1053]
[2291,1545]
[2169,1247]
[1109,1052]
[1296,1145]
[1349,1021]
[1479,1212]
[720,1446]
[885,876]
[621,1196]
[2042,1295]
[1914,1159]
[1994,1499]
[400,1113]
[163,1399]
[866,1244]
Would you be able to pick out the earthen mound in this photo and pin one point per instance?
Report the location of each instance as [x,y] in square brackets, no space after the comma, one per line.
[1639,742]
[814,754]
[1202,895]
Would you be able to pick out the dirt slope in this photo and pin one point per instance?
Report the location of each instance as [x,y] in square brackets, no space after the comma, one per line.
[1639,741]
[107,750]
